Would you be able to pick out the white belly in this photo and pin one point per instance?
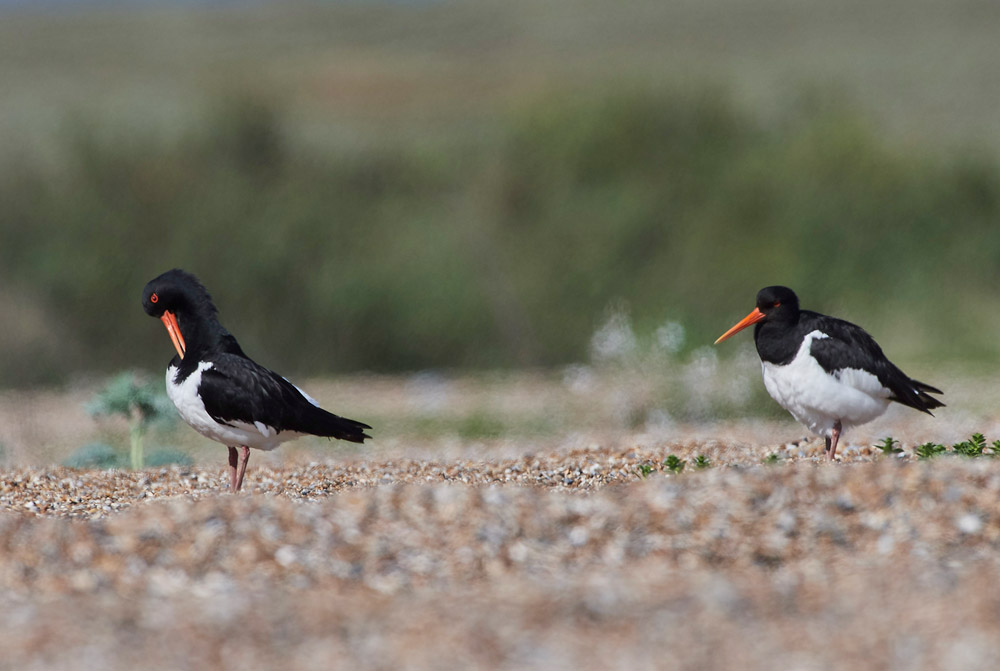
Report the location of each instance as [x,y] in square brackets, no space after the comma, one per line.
[819,399]
[235,433]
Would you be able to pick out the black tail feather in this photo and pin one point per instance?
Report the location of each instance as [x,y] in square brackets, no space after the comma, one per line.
[920,398]
[326,424]
[923,386]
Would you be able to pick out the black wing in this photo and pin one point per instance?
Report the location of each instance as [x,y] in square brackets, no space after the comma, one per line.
[850,346]
[237,389]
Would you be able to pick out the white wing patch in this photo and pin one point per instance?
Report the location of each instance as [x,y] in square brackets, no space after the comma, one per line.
[307,396]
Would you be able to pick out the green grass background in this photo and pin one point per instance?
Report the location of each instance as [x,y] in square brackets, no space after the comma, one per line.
[469,185]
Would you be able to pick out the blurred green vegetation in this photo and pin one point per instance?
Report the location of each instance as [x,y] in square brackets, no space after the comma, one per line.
[104,456]
[138,401]
[504,250]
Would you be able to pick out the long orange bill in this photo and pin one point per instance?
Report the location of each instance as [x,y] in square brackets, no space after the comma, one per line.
[750,319]
[170,321]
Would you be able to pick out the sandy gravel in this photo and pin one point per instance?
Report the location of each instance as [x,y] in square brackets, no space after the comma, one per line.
[566,559]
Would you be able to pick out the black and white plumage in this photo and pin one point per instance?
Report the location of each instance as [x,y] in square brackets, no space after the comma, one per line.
[828,373]
[220,391]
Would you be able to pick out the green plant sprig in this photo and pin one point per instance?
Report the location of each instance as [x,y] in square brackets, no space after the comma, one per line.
[140,402]
[889,446]
[674,464]
[975,446]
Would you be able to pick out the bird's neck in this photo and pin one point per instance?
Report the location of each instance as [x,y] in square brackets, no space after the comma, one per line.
[202,334]
[777,341]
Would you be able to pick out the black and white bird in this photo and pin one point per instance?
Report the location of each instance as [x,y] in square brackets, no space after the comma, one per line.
[829,373]
[222,393]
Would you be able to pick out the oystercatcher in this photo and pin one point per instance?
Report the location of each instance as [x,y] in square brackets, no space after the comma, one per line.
[222,393]
[829,373]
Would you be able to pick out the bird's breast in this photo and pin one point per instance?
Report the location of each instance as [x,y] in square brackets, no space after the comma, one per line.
[818,398]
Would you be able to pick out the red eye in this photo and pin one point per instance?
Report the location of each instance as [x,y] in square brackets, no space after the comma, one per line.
[776,303]
[154,298]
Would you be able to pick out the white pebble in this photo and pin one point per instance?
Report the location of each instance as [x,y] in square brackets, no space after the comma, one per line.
[969,523]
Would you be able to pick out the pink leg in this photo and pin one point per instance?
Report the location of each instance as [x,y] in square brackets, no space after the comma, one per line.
[232,469]
[244,458]
[831,443]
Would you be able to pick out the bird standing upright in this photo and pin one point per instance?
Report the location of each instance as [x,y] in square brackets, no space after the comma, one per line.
[222,393]
[829,373]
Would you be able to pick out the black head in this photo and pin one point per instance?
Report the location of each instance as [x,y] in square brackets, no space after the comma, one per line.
[777,303]
[774,304]
[185,308]
[176,291]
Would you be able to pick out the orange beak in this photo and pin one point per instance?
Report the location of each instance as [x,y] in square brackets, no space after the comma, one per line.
[170,321]
[751,318]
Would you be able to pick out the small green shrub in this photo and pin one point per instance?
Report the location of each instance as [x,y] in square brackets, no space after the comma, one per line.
[974,447]
[701,462]
[929,450]
[674,464]
[140,402]
[889,446]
